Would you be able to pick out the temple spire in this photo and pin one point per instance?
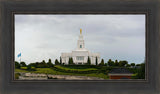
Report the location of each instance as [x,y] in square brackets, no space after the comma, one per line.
[80,31]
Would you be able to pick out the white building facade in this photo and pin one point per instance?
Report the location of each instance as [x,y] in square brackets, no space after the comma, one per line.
[80,54]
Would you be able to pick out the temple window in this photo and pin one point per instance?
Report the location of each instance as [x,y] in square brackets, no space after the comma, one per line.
[80,46]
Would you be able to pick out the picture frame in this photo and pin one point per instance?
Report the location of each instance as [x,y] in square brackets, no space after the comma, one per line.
[148,86]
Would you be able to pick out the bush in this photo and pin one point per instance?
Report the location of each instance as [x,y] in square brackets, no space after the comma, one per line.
[24,68]
[139,73]
[71,70]
[133,70]
[52,78]
[134,76]
[80,66]
[17,65]
[83,69]
[17,75]
[23,64]
[31,68]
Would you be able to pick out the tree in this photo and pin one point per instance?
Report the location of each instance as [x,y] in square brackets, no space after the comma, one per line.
[116,63]
[17,65]
[102,62]
[128,65]
[33,65]
[39,65]
[60,60]
[106,64]
[141,72]
[31,68]
[110,62]
[44,64]
[23,64]
[133,64]
[138,64]
[123,63]
[96,61]
[88,61]
[50,63]
[70,62]
[56,62]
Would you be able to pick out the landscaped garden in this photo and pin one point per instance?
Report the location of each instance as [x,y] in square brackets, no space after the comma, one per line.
[100,71]
[64,70]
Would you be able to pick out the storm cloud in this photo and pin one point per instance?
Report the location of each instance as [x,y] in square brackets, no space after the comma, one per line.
[40,37]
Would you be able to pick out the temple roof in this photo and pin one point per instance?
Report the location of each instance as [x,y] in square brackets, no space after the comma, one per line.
[84,49]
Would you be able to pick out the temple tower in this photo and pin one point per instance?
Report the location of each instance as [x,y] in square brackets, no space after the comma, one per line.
[80,42]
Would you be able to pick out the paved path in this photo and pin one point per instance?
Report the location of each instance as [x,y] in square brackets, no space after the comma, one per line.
[69,77]
[35,76]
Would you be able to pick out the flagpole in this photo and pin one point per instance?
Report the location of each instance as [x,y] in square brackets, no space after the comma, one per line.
[20,59]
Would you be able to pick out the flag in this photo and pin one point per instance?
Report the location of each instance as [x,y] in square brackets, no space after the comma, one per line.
[19,55]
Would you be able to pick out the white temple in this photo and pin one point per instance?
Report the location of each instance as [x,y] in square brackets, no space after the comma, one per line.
[80,54]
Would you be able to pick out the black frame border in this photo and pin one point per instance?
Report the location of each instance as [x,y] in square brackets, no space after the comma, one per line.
[150,86]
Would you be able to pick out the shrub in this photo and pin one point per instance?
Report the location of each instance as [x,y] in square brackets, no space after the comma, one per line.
[23,64]
[52,78]
[80,66]
[17,75]
[71,70]
[31,68]
[24,68]
[17,65]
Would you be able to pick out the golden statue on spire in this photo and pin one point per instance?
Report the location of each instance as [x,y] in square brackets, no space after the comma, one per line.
[80,31]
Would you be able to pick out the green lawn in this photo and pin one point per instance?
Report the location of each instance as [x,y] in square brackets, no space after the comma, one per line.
[20,70]
[75,69]
[52,71]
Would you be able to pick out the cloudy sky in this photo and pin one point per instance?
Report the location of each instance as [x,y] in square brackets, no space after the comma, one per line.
[40,37]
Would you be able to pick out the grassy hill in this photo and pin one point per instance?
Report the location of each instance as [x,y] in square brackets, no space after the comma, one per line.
[70,70]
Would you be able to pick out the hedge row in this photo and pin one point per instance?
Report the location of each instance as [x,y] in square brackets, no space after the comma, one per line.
[79,71]
[66,68]
[80,66]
